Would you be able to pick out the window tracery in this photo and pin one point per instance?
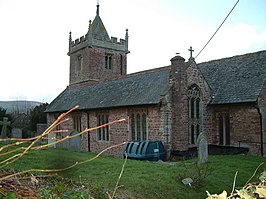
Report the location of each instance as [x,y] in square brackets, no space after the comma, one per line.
[195,113]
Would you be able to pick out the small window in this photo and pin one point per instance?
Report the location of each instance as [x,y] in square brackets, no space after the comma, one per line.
[103,133]
[108,61]
[77,123]
[79,63]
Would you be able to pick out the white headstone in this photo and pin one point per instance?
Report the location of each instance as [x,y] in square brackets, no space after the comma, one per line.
[202,143]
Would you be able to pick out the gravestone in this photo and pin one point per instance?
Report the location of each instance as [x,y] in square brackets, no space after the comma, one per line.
[202,143]
[5,123]
[51,139]
[16,133]
[41,127]
[74,143]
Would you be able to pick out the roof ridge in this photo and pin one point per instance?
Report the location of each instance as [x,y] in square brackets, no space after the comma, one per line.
[235,56]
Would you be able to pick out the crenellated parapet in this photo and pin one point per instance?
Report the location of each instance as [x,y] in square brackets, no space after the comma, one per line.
[87,41]
[78,44]
[97,36]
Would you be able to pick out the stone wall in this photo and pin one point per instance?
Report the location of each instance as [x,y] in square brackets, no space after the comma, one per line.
[119,132]
[184,75]
[93,68]
[195,77]
[244,119]
[244,126]
[262,107]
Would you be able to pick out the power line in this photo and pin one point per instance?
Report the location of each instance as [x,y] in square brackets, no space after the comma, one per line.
[217,29]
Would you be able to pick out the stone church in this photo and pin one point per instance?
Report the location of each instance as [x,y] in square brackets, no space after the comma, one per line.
[224,98]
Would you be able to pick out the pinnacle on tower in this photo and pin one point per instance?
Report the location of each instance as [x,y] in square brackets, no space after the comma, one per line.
[98,5]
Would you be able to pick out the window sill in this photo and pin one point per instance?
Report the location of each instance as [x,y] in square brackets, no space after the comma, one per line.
[103,141]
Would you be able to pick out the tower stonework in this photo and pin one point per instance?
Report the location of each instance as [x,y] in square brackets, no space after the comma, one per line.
[96,57]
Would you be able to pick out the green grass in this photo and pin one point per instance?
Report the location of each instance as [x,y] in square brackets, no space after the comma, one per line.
[144,179]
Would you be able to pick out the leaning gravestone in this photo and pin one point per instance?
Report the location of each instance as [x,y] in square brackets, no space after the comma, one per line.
[202,143]
[5,123]
[74,143]
[16,133]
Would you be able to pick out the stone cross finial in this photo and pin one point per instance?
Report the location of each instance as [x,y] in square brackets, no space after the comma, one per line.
[5,123]
[191,51]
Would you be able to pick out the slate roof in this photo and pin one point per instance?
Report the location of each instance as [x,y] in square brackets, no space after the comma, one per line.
[140,89]
[237,79]
[232,80]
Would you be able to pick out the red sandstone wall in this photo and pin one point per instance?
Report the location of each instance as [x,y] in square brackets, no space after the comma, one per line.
[183,76]
[195,77]
[262,107]
[244,126]
[119,132]
[94,65]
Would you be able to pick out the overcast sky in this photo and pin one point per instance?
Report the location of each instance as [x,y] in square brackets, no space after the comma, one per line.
[34,36]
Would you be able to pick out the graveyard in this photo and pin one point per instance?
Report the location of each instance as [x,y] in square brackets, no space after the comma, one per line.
[140,179]
[32,169]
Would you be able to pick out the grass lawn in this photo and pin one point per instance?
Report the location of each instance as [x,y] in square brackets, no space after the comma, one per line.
[142,179]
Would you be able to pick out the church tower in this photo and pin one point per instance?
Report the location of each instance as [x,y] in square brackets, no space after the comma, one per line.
[96,57]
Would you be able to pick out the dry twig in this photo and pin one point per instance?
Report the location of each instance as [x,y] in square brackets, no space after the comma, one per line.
[120,175]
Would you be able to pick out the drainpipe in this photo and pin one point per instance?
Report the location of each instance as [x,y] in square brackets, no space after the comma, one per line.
[261,132]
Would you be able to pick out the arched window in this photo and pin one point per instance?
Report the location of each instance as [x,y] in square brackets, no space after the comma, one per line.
[195,113]
[108,61]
